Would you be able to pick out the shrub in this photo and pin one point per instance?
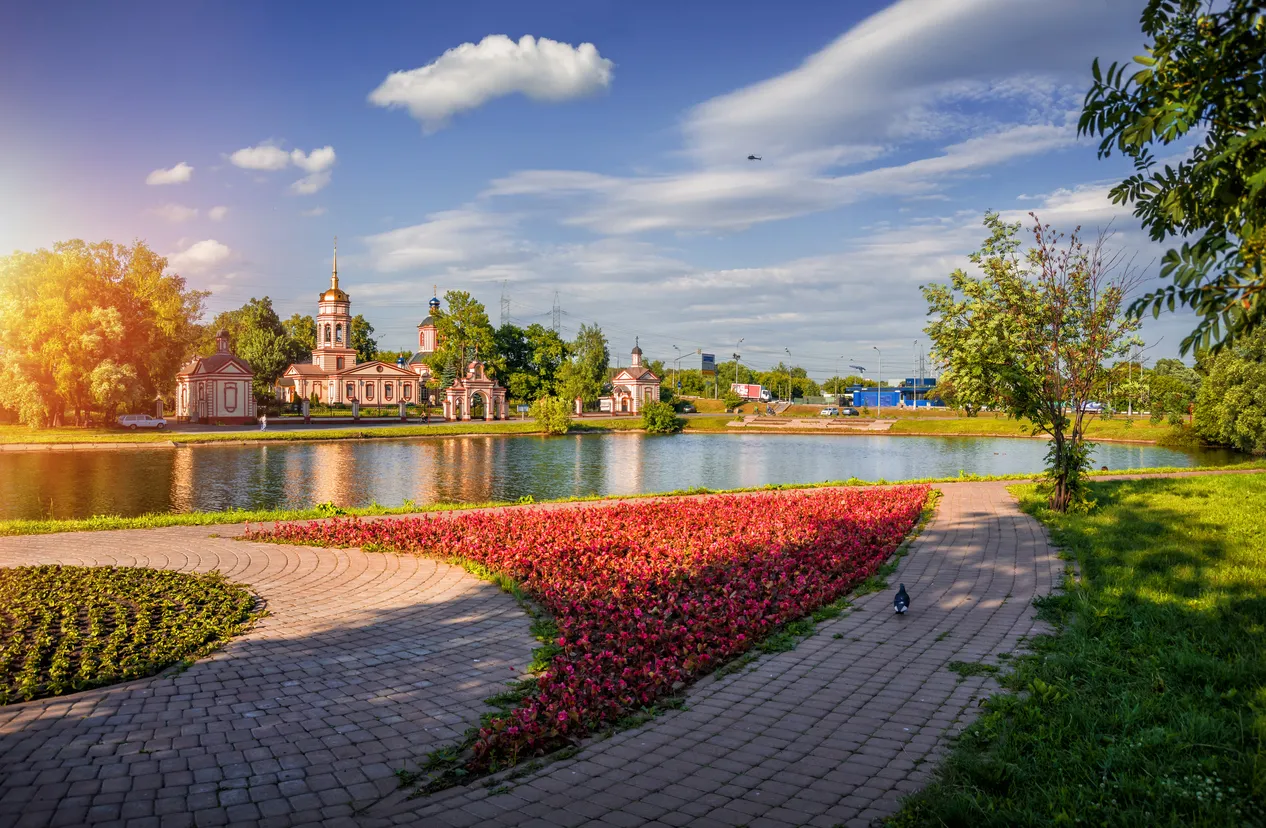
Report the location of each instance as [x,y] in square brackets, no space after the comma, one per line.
[660,418]
[731,400]
[553,414]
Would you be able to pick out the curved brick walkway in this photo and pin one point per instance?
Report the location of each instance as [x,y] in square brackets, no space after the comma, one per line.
[372,660]
[833,732]
[366,660]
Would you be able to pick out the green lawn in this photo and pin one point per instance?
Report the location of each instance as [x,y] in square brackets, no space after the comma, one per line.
[1116,429]
[1148,706]
[21,434]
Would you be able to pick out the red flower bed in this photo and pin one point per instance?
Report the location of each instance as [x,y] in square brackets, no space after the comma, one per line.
[648,596]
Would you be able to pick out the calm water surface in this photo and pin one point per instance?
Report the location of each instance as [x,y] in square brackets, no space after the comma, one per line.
[482,468]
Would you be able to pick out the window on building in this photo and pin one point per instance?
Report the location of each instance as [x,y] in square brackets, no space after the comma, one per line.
[338,363]
[338,333]
[351,390]
[386,392]
[407,391]
[327,333]
[369,392]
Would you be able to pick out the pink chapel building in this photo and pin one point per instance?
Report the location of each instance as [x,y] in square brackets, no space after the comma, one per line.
[334,375]
[216,388]
[632,387]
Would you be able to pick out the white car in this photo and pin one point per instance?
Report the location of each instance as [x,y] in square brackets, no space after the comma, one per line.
[830,411]
[134,421]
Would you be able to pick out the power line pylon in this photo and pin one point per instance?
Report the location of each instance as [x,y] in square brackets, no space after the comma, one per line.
[505,303]
[557,314]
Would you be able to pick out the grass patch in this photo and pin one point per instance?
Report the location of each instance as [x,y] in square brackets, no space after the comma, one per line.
[68,628]
[1148,704]
[967,669]
[1142,430]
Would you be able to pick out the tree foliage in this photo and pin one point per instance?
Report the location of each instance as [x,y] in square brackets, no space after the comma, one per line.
[530,359]
[1231,402]
[1031,336]
[553,414]
[660,418]
[302,329]
[361,339]
[584,374]
[1204,75]
[91,327]
[462,330]
[257,335]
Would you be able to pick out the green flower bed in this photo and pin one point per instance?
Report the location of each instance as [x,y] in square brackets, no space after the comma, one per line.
[67,628]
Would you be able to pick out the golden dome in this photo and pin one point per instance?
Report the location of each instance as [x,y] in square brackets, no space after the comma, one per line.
[334,294]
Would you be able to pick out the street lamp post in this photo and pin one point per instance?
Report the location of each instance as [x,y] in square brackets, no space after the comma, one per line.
[859,369]
[736,361]
[915,371]
[676,369]
[879,395]
[788,350]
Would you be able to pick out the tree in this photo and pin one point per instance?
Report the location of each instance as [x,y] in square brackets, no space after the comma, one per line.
[1036,332]
[257,335]
[731,400]
[530,358]
[553,414]
[660,418]
[1204,75]
[64,312]
[361,339]
[303,331]
[1231,403]
[585,373]
[463,331]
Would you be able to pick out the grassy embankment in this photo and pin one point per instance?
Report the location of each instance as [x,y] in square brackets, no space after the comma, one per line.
[232,516]
[69,628]
[15,434]
[1148,704]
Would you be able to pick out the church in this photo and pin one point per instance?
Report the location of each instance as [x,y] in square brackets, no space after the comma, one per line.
[334,376]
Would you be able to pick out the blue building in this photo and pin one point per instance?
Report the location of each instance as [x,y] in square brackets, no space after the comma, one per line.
[904,394]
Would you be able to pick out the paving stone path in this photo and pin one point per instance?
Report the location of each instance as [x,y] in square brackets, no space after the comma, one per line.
[834,732]
[369,661]
[366,660]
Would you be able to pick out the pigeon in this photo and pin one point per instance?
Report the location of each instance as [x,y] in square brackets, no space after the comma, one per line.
[753,158]
[901,603]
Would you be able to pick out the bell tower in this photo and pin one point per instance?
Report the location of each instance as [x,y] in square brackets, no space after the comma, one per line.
[334,326]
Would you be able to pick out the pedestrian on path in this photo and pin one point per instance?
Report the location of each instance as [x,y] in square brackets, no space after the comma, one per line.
[263,421]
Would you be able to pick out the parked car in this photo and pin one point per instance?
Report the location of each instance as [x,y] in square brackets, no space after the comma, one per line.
[687,408]
[1092,407]
[829,411]
[134,421]
[850,412]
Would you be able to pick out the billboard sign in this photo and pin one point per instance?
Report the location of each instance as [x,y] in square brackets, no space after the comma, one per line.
[709,364]
[604,404]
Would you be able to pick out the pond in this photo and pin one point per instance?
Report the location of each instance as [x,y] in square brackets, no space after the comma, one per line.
[483,468]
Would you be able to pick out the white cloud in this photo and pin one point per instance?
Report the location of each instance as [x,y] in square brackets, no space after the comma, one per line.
[178,174]
[315,211]
[218,213]
[444,238]
[175,213]
[313,162]
[199,256]
[310,184]
[262,157]
[268,156]
[472,74]
[983,82]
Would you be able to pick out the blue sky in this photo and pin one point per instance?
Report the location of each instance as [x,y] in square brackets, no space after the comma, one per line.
[614,173]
